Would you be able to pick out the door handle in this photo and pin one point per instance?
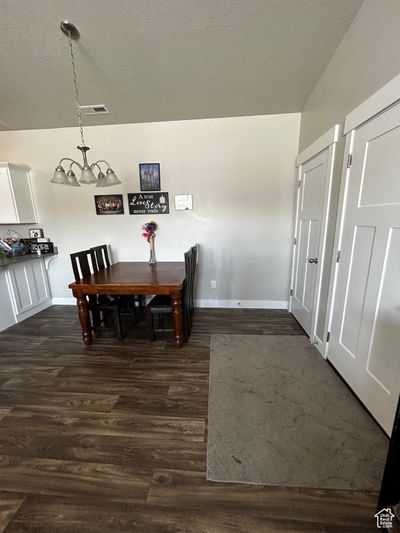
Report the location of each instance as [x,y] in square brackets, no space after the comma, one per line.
[315,260]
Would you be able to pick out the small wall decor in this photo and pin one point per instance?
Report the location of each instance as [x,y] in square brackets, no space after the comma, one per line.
[150,176]
[109,204]
[150,203]
[34,233]
[183,201]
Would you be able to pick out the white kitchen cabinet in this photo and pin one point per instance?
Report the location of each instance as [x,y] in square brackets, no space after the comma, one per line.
[7,315]
[16,198]
[26,289]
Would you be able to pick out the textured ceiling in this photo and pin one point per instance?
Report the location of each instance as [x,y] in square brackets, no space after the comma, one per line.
[155,60]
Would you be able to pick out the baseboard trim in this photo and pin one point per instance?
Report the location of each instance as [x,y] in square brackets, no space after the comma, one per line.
[221,304]
[64,301]
[245,304]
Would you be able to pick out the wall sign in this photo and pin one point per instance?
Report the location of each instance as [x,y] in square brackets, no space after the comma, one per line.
[148,203]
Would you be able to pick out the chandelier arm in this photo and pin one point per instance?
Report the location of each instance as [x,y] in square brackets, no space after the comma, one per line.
[96,164]
[72,162]
[76,163]
[103,161]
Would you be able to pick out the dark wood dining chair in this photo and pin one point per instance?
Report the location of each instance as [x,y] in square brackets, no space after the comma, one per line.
[189,292]
[84,265]
[101,260]
[100,257]
[160,306]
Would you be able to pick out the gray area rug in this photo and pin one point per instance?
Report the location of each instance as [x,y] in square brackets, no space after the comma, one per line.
[279,415]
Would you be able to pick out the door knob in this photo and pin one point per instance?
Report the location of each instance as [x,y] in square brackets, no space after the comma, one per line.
[315,260]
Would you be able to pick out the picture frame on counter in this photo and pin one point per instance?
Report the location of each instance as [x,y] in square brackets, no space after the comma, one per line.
[109,204]
[35,233]
[149,174]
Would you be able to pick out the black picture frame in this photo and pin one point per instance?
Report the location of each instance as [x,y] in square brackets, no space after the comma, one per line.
[109,204]
[149,175]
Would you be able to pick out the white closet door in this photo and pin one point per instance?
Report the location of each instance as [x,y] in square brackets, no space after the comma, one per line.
[365,325]
[306,263]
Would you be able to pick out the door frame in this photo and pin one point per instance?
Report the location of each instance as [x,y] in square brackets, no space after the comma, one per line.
[379,102]
[327,141]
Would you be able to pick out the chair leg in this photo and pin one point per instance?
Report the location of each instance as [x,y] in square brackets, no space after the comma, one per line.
[96,318]
[150,325]
[133,310]
[118,324]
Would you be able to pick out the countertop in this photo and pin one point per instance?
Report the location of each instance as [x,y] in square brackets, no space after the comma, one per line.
[7,261]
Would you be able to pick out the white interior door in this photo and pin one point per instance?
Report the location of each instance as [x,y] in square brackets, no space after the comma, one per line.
[307,260]
[365,324]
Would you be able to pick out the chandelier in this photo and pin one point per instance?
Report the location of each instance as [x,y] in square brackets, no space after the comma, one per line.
[87,175]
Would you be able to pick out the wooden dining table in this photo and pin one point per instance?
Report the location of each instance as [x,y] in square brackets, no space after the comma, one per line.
[133,277]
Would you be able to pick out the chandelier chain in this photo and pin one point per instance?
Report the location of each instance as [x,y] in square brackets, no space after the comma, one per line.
[77,102]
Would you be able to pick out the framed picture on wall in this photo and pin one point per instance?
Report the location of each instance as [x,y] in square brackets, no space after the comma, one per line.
[109,204]
[149,174]
[35,233]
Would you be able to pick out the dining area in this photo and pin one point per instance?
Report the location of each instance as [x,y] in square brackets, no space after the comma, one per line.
[143,290]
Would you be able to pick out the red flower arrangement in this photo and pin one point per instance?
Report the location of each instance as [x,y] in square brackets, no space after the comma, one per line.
[150,229]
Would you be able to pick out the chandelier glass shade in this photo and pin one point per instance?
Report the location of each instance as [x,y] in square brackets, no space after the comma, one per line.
[105,175]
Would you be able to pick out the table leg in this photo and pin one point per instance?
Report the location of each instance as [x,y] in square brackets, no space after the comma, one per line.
[84,319]
[177,317]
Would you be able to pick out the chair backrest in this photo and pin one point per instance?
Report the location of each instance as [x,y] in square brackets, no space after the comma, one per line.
[195,257]
[188,264]
[80,264]
[187,291]
[100,257]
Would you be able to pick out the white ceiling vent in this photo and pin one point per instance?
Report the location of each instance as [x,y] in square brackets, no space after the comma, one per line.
[98,109]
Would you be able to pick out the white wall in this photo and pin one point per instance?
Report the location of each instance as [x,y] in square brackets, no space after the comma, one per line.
[239,170]
[365,60]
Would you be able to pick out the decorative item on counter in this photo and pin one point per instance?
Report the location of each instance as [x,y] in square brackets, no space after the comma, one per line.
[45,247]
[15,243]
[34,233]
[5,247]
[149,233]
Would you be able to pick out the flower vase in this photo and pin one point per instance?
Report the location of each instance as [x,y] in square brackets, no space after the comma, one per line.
[152,259]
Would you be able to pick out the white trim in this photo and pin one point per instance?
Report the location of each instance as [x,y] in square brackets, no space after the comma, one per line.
[245,304]
[384,97]
[322,245]
[329,137]
[223,304]
[338,240]
[64,301]
[326,142]
[295,231]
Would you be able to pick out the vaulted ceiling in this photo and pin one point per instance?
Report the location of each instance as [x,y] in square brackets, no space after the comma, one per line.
[155,60]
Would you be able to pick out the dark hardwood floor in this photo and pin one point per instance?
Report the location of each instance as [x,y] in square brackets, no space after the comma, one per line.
[113,436]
